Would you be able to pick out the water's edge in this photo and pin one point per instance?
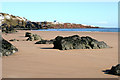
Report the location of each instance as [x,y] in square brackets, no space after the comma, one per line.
[84,29]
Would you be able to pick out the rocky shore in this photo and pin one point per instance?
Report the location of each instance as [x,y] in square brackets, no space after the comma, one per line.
[61,43]
[74,42]
[45,61]
[115,70]
[11,23]
[7,48]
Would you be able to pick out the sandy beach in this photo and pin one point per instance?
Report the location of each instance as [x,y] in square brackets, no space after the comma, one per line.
[41,61]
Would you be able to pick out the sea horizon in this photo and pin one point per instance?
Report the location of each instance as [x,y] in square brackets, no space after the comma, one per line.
[83,29]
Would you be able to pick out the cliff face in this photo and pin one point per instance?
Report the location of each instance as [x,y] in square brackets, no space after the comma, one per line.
[70,25]
[10,22]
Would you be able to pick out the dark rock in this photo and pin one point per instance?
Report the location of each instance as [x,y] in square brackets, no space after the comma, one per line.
[115,70]
[13,40]
[32,37]
[37,37]
[6,29]
[7,48]
[57,42]
[102,45]
[76,42]
[28,34]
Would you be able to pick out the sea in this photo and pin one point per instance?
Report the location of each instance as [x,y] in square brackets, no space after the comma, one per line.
[84,29]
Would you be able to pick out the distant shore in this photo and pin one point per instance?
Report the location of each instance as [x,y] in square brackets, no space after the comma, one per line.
[42,61]
[82,29]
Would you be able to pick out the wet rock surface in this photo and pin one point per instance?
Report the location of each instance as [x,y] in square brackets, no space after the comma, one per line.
[7,48]
[76,42]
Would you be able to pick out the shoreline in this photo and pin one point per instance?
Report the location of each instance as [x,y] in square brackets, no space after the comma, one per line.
[41,61]
[82,29]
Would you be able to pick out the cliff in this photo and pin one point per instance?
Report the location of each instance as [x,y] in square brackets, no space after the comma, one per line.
[10,22]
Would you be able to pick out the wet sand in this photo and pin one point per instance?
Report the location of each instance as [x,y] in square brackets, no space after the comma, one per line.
[41,61]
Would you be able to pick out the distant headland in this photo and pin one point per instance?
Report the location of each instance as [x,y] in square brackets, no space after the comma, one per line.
[17,22]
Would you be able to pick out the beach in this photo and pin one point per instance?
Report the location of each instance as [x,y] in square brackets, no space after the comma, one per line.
[42,61]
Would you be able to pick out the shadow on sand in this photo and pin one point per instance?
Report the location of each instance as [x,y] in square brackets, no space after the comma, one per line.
[47,48]
[108,72]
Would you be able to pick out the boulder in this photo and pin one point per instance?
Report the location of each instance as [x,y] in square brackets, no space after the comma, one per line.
[57,42]
[115,70]
[28,34]
[76,42]
[7,29]
[7,48]
[13,40]
[32,37]
[37,37]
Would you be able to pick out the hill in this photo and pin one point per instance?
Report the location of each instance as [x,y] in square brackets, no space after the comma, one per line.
[10,22]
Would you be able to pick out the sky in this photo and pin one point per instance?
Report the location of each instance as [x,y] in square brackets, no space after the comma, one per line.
[59,0]
[103,14]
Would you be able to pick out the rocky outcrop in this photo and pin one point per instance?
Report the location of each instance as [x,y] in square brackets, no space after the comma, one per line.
[68,25]
[7,48]
[13,40]
[76,42]
[45,41]
[32,37]
[7,29]
[115,70]
[28,34]
[10,22]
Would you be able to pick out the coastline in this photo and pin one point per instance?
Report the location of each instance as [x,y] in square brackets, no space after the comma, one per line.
[83,29]
[41,61]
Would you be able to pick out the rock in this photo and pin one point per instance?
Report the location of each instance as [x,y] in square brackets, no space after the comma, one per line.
[28,34]
[37,37]
[13,40]
[7,29]
[102,45]
[115,70]
[45,41]
[57,42]
[32,37]
[76,42]
[7,48]
[94,44]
